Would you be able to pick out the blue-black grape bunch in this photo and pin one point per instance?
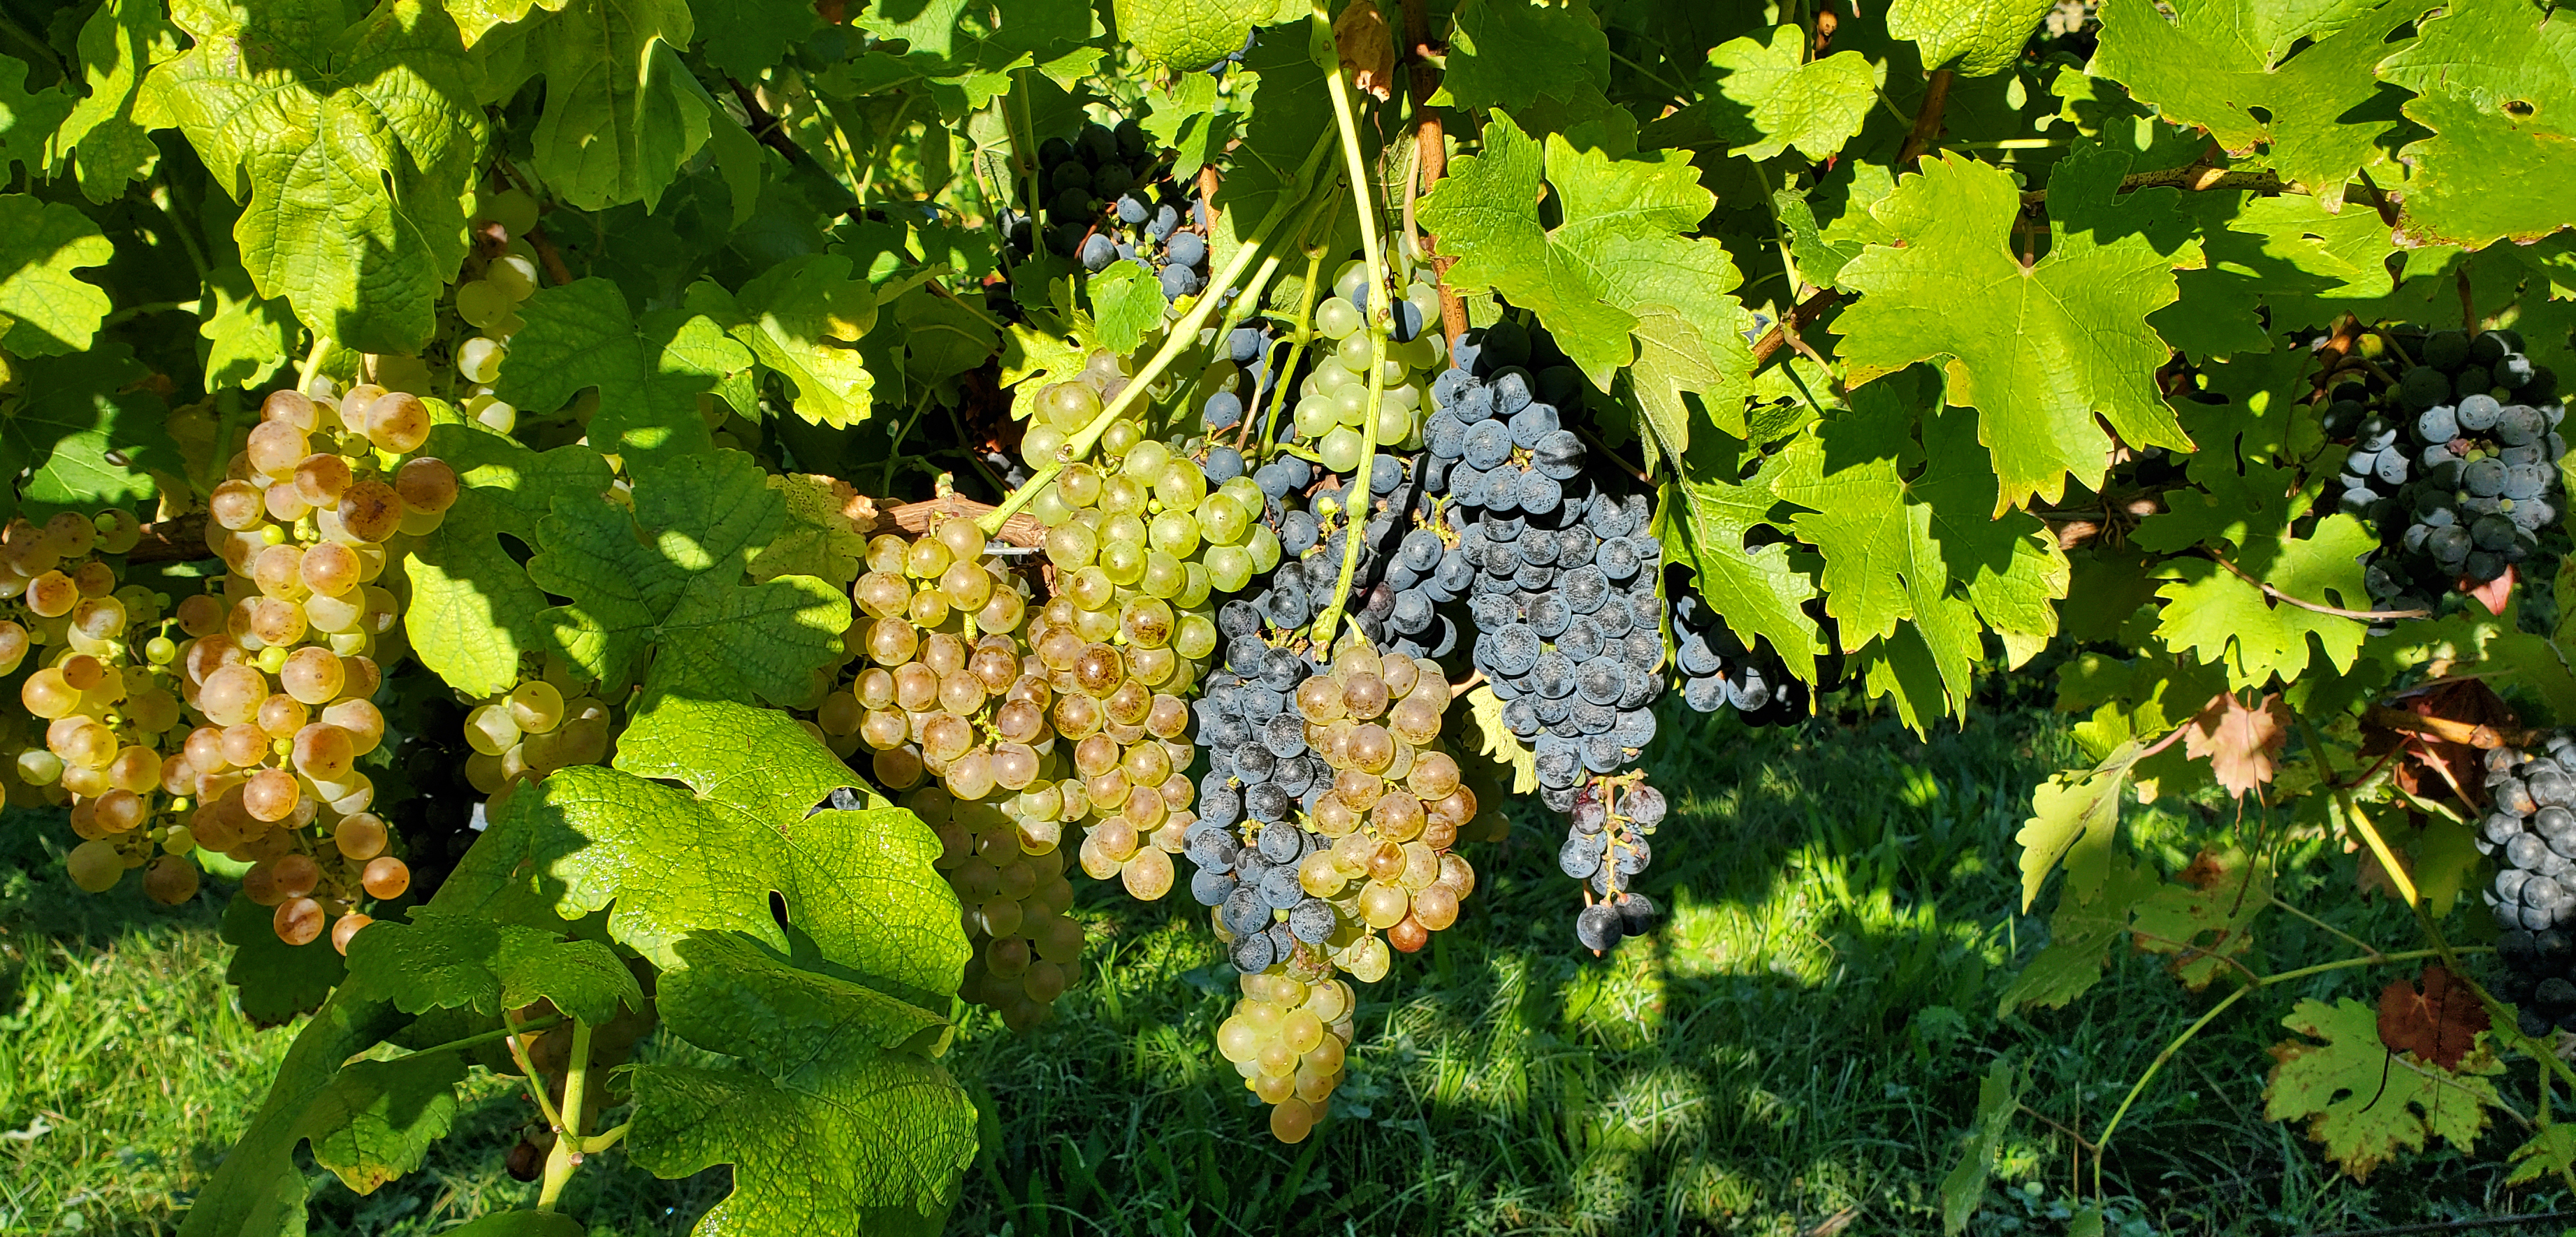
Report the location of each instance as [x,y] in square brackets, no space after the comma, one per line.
[1720,672]
[2530,830]
[1110,198]
[2456,465]
[1606,848]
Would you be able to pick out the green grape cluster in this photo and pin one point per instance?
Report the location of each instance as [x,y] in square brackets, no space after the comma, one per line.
[1012,896]
[235,723]
[490,305]
[1288,1039]
[1331,413]
[547,721]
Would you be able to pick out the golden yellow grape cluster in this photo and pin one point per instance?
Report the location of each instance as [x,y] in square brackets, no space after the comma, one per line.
[1287,1038]
[241,735]
[1012,897]
[548,721]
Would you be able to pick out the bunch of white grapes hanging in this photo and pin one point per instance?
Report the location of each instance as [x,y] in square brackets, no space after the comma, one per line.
[1012,896]
[490,305]
[1287,1038]
[1370,851]
[548,721]
[1331,409]
[239,727]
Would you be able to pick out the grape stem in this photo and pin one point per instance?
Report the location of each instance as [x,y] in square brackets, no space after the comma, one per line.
[566,1154]
[1270,443]
[1380,315]
[528,1071]
[1182,337]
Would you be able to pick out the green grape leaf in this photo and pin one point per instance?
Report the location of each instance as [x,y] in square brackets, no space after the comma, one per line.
[1702,516]
[1505,54]
[706,856]
[2298,263]
[2551,1151]
[476,18]
[818,539]
[448,960]
[943,336]
[649,373]
[2075,815]
[1619,276]
[2041,351]
[2081,932]
[1781,99]
[2363,1103]
[798,317]
[1190,36]
[1186,122]
[2286,80]
[276,982]
[377,1119]
[1495,740]
[1963,1191]
[2495,81]
[1044,349]
[836,1111]
[45,310]
[90,430]
[473,609]
[247,338]
[2226,619]
[2206,920]
[520,1224]
[348,150]
[1126,301]
[663,583]
[1974,37]
[107,137]
[1895,543]
[28,120]
[259,1190]
[744,39]
[622,112]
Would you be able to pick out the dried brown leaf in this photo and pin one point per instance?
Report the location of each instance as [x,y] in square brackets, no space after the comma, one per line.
[2438,1019]
[1367,48]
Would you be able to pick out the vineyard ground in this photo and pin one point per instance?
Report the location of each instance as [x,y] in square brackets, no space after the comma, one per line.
[1802,1042]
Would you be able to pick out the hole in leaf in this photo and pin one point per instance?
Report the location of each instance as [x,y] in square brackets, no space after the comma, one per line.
[778,907]
[2519,109]
[2262,115]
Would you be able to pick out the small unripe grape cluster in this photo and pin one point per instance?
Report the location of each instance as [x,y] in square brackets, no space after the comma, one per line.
[1012,896]
[1331,813]
[1289,1039]
[1144,520]
[1331,410]
[490,305]
[948,689]
[547,722]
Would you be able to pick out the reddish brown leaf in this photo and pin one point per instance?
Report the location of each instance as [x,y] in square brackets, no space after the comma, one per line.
[2493,593]
[2437,1020]
[2206,870]
[2239,742]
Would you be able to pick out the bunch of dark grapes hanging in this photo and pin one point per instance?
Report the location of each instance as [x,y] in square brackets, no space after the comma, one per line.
[2456,463]
[2530,830]
[1606,848]
[1110,197]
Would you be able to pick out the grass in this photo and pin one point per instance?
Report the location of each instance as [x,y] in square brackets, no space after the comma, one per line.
[1799,1046]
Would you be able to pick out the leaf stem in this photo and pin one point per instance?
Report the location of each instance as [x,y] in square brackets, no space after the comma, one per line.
[1296,353]
[312,362]
[566,1155]
[1180,338]
[528,1073]
[470,1041]
[1381,316]
[894,449]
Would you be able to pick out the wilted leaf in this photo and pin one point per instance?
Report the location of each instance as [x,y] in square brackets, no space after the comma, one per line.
[2438,1019]
[2238,741]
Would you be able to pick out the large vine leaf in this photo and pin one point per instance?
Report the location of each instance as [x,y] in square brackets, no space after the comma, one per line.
[2225,618]
[349,150]
[447,960]
[1617,281]
[259,1191]
[1506,54]
[2495,80]
[797,318]
[1190,36]
[707,855]
[838,1121]
[622,112]
[649,373]
[2039,351]
[1785,100]
[1702,517]
[473,610]
[2286,80]
[91,431]
[1974,37]
[664,583]
[45,310]
[2365,1103]
[107,136]
[376,1119]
